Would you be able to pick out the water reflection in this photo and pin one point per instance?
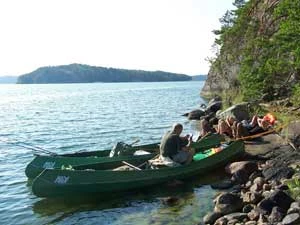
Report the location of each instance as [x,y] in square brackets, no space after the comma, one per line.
[186,201]
[71,117]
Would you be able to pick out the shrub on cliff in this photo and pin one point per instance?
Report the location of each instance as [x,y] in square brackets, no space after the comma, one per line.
[296,95]
[262,38]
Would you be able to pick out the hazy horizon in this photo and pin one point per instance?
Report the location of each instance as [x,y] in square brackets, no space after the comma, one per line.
[168,35]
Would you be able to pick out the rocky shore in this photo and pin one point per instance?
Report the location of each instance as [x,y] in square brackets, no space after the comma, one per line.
[260,187]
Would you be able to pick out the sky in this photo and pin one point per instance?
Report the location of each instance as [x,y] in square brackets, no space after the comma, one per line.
[168,35]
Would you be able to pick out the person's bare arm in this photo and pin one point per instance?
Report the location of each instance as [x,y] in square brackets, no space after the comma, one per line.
[188,146]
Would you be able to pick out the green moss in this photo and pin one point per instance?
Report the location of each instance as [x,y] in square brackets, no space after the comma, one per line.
[296,95]
[294,187]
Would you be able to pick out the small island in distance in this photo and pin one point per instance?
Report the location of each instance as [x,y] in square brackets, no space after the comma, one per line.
[79,73]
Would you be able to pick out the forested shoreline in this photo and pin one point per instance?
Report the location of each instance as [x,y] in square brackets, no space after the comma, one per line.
[78,73]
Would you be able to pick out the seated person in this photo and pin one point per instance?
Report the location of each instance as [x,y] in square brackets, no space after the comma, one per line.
[255,126]
[270,118]
[175,147]
[226,126]
[206,127]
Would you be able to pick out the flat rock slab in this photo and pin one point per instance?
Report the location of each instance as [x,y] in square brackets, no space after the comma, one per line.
[264,144]
[292,130]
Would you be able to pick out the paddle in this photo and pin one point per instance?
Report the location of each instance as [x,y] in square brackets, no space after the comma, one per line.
[130,165]
[148,160]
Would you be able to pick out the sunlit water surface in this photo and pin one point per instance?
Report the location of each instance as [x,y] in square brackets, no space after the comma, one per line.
[72,117]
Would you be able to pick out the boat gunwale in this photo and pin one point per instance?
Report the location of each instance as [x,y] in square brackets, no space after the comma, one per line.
[156,171]
[34,168]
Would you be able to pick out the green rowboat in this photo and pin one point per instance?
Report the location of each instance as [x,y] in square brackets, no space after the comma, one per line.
[41,162]
[55,183]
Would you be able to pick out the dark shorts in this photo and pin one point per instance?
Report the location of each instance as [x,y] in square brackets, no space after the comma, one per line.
[256,130]
[181,157]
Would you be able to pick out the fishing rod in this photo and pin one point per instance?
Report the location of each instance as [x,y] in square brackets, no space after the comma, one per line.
[35,148]
[28,146]
[39,149]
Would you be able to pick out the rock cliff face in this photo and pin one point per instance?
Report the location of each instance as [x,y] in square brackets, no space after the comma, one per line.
[258,21]
[219,80]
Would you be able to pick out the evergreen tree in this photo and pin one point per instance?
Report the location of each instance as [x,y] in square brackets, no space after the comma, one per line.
[263,39]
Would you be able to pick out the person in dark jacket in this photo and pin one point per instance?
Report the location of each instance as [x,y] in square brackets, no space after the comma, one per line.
[175,147]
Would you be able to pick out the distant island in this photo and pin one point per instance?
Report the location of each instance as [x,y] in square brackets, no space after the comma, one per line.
[8,79]
[79,73]
[199,78]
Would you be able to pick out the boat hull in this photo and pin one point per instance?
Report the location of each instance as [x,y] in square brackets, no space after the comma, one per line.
[54,183]
[42,162]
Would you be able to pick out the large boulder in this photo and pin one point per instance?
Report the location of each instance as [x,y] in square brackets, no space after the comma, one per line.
[277,173]
[276,198]
[292,132]
[211,217]
[209,111]
[214,106]
[228,203]
[241,171]
[195,114]
[248,166]
[265,206]
[239,112]
[281,199]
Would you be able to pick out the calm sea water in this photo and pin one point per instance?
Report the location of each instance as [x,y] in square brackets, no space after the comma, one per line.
[72,117]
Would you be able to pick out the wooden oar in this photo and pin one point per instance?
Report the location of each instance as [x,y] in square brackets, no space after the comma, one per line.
[148,160]
[262,133]
[130,165]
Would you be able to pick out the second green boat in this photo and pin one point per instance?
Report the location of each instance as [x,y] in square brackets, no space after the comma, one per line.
[42,162]
[86,181]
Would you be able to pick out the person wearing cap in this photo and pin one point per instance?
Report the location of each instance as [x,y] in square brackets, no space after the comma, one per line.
[175,147]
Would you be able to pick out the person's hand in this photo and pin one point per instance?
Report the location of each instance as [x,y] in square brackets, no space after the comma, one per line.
[186,137]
